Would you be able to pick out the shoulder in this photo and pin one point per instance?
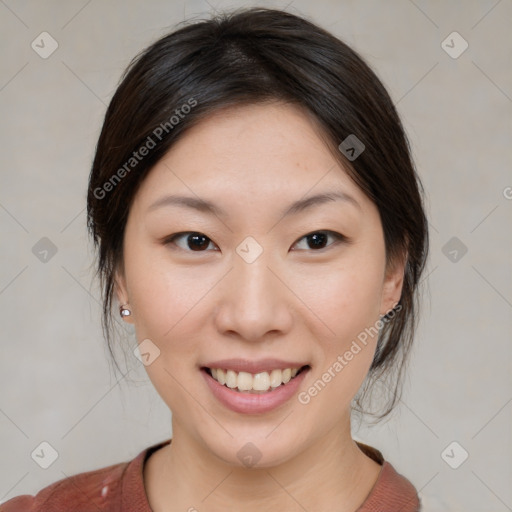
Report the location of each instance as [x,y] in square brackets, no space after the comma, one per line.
[392,491]
[92,490]
[395,490]
[115,488]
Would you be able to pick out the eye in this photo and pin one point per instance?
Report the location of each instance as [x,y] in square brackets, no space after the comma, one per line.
[195,241]
[316,240]
[198,242]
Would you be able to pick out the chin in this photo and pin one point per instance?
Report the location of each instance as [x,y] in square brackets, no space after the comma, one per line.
[260,450]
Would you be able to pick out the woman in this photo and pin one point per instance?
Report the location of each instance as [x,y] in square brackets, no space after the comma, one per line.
[260,222]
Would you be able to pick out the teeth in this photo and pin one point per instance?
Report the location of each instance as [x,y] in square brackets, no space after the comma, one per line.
[260,381]
[275,378]
[221,376]
[245,381]
[231,379]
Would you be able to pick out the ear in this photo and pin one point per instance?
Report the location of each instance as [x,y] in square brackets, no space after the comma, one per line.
[393,283]
[121,293]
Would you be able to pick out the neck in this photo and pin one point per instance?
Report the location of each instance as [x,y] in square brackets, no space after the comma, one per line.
[331,474]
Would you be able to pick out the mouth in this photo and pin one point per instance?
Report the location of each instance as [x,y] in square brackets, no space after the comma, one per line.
[254,383]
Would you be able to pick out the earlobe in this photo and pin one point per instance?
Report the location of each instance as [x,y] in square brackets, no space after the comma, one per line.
[122,297]
[393,284]
[120,288]
[124,311]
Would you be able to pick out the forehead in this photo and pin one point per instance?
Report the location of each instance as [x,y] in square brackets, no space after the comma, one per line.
[259,134]
[263,150]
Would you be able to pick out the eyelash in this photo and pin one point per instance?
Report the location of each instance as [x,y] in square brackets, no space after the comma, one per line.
[339,238]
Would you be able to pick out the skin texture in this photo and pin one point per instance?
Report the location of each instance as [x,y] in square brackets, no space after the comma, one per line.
[293,302]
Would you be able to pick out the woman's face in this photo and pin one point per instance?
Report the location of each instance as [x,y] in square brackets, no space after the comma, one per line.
[261,287]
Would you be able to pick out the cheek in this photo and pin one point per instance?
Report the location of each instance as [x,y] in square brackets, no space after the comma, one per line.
[346,299]
[166,298]
[348,304]
[346,296]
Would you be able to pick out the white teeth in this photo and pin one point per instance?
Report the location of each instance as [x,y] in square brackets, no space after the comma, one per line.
[231,379]
[261,381]
[275,378]
[245,381]
[221,376]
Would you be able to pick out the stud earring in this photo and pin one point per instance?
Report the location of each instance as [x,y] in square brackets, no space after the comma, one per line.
[124,311]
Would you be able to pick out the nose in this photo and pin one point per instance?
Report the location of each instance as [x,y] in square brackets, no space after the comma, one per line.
[253,301]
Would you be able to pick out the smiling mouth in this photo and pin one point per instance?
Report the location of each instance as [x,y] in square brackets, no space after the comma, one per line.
[263,382]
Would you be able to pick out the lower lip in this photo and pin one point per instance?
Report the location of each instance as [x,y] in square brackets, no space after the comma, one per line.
[254,403]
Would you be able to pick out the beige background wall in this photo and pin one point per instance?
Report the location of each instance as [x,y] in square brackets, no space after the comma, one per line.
[55,381]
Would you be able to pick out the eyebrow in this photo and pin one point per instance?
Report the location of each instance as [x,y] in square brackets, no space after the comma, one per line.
[210,208]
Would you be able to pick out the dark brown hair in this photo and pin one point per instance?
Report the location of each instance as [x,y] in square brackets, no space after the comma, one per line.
[251,56]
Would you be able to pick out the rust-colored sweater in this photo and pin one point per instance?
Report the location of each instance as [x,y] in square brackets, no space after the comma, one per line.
[120,488]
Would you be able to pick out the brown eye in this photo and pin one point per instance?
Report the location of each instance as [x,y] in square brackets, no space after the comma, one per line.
[198,242]
[194,241]
[318,239]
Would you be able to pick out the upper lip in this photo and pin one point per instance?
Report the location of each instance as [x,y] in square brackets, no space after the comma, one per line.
[254,366]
